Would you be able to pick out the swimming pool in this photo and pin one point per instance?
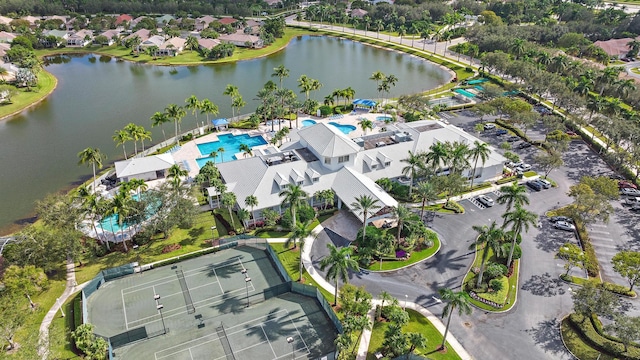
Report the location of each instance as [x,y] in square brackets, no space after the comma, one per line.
[111,223]
[231,145]
[308,122]
[346,129]
[384,118]
[465,93]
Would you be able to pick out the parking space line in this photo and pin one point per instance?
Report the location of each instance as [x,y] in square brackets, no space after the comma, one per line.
[599,232]
[601,238]
[598,225]
[608,246]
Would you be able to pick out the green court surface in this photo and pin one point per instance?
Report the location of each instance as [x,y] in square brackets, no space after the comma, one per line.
[205,314]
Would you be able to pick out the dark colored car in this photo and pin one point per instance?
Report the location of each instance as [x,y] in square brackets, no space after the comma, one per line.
[561,218]
[616,177]
[501,132]
[513,138]
[534,185]
[524,145]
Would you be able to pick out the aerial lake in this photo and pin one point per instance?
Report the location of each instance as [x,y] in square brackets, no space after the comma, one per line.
[97,95]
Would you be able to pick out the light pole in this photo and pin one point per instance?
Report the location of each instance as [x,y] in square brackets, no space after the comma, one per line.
[212,233]
[58,303]
[293,347]
[406,297]
[159,307]
[247,280]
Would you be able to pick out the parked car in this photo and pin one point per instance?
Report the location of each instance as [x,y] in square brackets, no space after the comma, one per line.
[626,184]
[501,132]
[514,165]
[560,218]
[485,200]
[616,177]
[523,167]
[563,225]
[489,126]
[513,138]
[534,185]
[571,133]
[629,192]
[524,145]
[545,183]
[633,201]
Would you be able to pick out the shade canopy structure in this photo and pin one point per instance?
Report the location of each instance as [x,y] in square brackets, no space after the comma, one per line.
[220,123]
[364,103]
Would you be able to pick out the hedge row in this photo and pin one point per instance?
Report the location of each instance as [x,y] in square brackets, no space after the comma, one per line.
[596,339]
[614,288]
[507,180]
[592,265]
[454,206]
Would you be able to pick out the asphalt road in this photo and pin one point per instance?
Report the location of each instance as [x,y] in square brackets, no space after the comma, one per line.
[530,329]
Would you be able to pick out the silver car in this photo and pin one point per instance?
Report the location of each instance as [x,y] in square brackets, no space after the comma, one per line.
[485,200]
[563,225]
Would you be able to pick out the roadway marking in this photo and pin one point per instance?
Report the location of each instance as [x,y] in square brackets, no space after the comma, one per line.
[600,232]
[601,238]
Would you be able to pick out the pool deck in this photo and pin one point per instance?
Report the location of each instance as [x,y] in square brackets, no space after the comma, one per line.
[189,152]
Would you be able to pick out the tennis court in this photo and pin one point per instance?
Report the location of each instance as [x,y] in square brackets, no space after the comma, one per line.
[204,312]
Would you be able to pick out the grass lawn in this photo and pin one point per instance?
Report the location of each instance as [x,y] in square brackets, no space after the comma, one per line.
[439,208]
[23,99]
[416,257]
[290,261]
[577,345]
[417,323]
[635,70]
[512,285]
[195,238]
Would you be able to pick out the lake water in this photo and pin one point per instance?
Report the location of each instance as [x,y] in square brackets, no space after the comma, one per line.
[98,95]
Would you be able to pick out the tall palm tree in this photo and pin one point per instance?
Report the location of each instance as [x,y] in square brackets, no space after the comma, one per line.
[221,152]
[238,103]
[144,135]
[293,196]
[365,204]
[191,43]
[174,173]
[252,201]
[365,124]
[480,151]
[208,108]
[280,72]
[377,76]
[121,206]
[245,149]
[491,237]
[194,105]
[513,196]
[94,157]
[176,113]
[232,92]
[158,119]
[90,203]
[414,163]
[437,155]
[121,137]
[299,234]
[458,157]
[229,201]
[459,300]
[338,263]
[520,219]
[402,214]
[416,341]
[427,192]
[134,132]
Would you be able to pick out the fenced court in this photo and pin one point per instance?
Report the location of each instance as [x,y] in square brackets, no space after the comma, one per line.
[204,313]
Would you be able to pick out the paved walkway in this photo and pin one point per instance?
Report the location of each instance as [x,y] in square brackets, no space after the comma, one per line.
[366,335]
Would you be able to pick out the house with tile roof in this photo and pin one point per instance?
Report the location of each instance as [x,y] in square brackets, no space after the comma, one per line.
[6,37]
[325,158]
[111,36]
[239,38]
[123,18]
[616,48]
[80,38]
[172,47]
[5,20]
[208,43]
[358,13]
[143,34]
[203,22]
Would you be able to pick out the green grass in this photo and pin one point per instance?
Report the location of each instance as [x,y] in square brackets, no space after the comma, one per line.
[529,173]
[438,208]
[417,323]
[23,99]
[635,70]
[416,257]
[195,238]
[290,260]
[60,344]
[498,296]
[512,285]
[577,345]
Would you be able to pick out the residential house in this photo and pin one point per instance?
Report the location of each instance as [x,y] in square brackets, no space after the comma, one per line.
[33,21]
[164,20]
[76,23]
[274,3]
[6,37]
[325,158]
[229,21]
[208,43]
[143,34]
[123,18]
[111,35]
[144,168]
[64,19]
[172,47]
[239,38]
[252,27]
[4,47]
[203,22]
[615,48]
[155,40]
[358,13]
[61,36]
[5,20]
[135,21]
[80,38]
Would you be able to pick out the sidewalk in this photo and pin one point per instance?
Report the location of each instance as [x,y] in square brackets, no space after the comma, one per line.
[366,335]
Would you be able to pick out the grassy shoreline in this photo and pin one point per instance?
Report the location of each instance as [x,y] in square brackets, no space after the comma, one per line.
[23,100]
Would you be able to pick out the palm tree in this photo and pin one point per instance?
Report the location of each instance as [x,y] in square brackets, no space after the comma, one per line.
[377,76]
[459,300]
[238,103]
[414,162]
[158,119]
[293,196]
[514,195]
[221,152]
[245,149]
[280,72]
[402,214]
[144,135]
[458,157]
[191,43]
[416,340]
[519,219]
[480,151]
[213,155]
[207,107]
[437,155]
[90,206]
[251,201]
[229,201]
[517,47]
[94,157]
[379,24]
[300,233]
[176,113]
[365,124]
[121,137]
[194,105]
[338,263]
[491,237]
[233,92]
[365,204]
[427,192]
[121,206]
[174,173]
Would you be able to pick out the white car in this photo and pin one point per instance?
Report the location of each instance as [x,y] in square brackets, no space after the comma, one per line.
[523,168]
[545,184]
[629,192]
[563,225]
[489,126]
[485,200]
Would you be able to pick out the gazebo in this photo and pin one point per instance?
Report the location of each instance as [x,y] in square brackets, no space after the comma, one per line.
[364,104]
[220,124]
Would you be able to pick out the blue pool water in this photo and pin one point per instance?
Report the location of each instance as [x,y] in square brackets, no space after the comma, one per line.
[231,145]
[384,118]
[110,223]
[465,93]
[308,122]
[342,127]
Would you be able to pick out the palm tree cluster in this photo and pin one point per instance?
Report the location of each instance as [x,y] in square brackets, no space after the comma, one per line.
[131,132]
[384,83]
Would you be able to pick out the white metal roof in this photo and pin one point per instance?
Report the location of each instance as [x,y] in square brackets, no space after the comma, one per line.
[327,140]
[135,166]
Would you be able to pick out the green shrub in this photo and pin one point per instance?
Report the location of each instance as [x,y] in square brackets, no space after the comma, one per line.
[619,289]
[507,180]
[496,284]
[454,206]
[495,270]
[325,110]
[591,265]
[590,334]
